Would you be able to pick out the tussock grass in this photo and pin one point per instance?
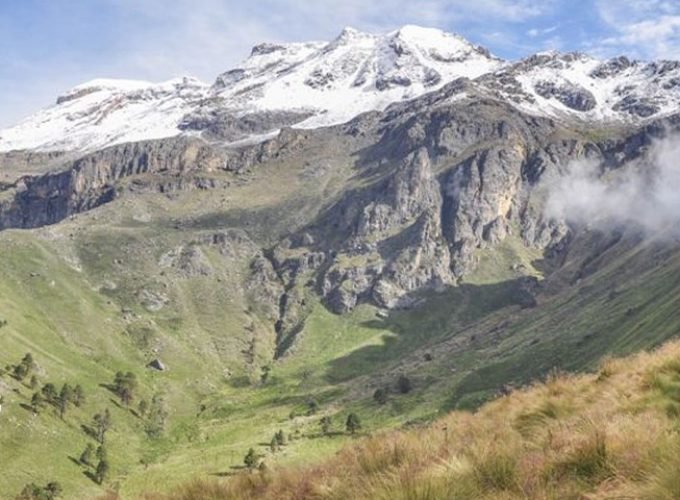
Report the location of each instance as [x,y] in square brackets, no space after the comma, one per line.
[602,435]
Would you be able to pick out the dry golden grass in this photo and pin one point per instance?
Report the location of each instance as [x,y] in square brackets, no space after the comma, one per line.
[612,434]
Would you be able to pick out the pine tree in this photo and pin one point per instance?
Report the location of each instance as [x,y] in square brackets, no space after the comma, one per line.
[33,384]
[280,438]
[312,407]
[20,373]
[53,490]
[353,423]
[34,492]
[65,397]
[274,445]
[250,460]
[266,371]
[49,392]
[25,367]
[157,416]
[102,453]
[86,455]
[404,384]
[101,423]
[78,395]
[36,402]
[380,396]
[124,385]
[102,471]
[142,407]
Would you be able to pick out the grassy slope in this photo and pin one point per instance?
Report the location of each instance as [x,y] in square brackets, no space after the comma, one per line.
[76,335]
[611,434]
[71,296]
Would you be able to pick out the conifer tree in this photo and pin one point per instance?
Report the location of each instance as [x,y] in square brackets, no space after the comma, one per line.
[353,423]
[102,471]
[86,455]
[325,424]
[250,460]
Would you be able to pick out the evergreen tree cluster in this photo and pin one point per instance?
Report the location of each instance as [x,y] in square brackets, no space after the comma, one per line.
[61,399]
[124,385]
[25,367]
[34,492]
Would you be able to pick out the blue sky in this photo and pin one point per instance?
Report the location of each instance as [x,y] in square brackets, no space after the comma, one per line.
[48,46]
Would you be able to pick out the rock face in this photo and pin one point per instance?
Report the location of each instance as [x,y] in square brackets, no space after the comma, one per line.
[572,96]
[448,180]
[430,184]
[34,201]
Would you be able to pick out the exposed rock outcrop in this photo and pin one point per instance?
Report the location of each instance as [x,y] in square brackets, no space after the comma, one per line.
[433,183]
[90,181]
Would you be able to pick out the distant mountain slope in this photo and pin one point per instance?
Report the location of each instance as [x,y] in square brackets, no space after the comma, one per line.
[104,112]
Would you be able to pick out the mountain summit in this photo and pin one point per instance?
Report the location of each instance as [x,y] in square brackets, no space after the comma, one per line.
[307,84]
[325,83]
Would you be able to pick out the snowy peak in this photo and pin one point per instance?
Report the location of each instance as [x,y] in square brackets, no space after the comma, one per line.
[307,84]
[314,84]
[135,89]
[437,44]
[103,112]
[575,85]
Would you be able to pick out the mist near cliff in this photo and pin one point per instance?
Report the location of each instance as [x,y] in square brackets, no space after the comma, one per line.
[644,195]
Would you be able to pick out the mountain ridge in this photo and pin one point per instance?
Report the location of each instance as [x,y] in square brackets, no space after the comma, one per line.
[312,84]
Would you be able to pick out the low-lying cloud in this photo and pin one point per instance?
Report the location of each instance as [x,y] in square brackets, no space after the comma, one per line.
[644,196]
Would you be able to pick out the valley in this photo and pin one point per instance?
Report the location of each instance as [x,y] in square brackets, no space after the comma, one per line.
[397,265]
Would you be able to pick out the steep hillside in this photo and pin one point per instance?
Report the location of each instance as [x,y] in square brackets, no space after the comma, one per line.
[611,434]
[195,274]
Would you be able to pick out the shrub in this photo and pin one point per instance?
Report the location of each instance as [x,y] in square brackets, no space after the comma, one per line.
[325,424]
[404,384]
[380,396]
[250,460]
[353,423]
[87,454]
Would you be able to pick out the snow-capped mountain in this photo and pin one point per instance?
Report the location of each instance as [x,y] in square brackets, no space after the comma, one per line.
[575,85]
[104,112]
[354,73]
[306,84]
[323,83]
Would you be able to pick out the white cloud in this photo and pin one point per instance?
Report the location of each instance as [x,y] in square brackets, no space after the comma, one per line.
[536,32]
[645,197]
[649,29]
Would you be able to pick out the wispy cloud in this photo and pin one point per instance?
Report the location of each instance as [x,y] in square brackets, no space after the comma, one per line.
[540,32]
[649,29]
